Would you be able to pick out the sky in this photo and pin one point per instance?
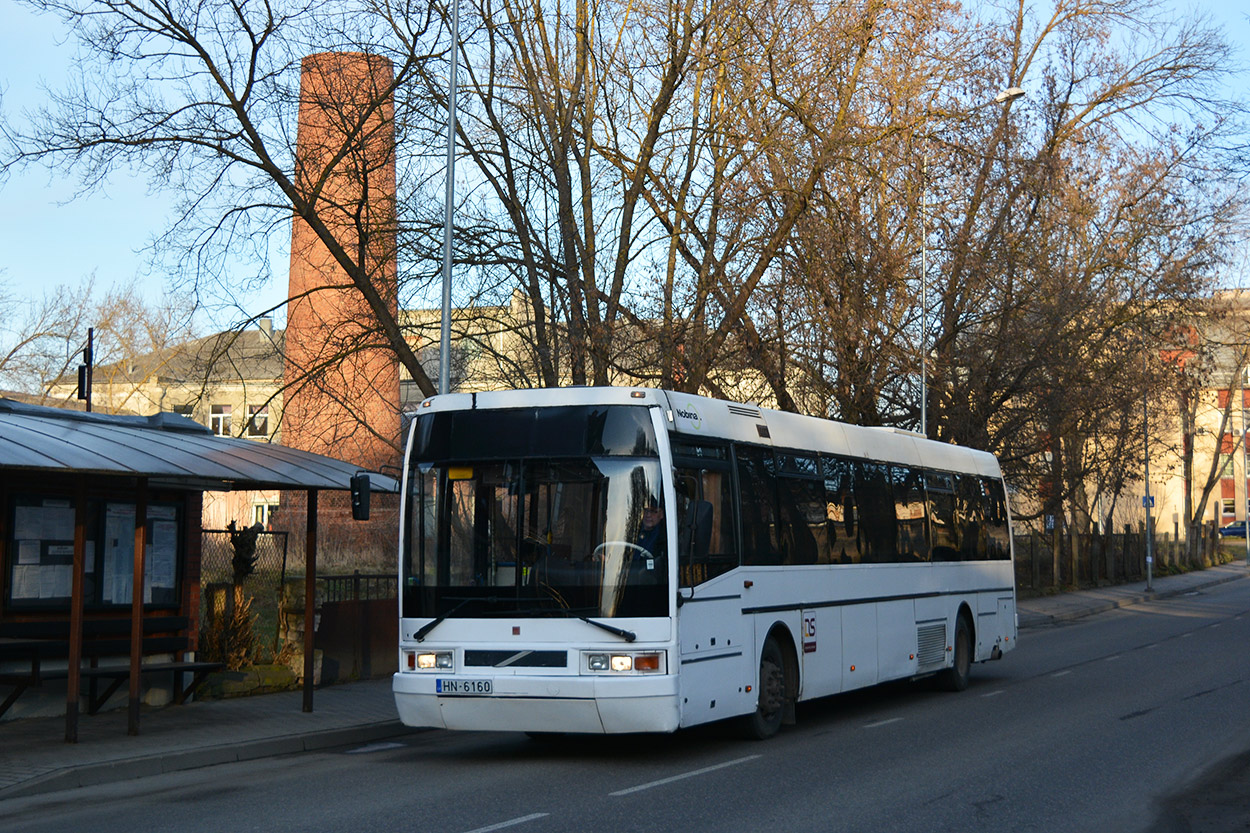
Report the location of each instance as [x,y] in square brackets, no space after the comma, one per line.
[49,237]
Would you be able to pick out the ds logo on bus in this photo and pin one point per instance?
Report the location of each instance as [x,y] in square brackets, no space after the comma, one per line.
[809,633]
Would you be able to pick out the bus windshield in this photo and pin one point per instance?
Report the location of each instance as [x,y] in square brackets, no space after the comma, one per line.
[536,535]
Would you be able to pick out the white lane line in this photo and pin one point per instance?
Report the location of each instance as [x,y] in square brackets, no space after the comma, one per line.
[684,775]
[509,823]
[1186,635]
[993,693]
[1113,658]
[1062,673]
[886,722]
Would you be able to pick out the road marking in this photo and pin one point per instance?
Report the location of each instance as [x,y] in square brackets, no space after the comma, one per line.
[509,823]
[993,693]
[1186,635]
[673,778]
[885,722]
[1062,673]
[375,747]
[1113,658]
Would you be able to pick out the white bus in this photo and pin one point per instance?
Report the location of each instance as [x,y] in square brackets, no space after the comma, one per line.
[634,560]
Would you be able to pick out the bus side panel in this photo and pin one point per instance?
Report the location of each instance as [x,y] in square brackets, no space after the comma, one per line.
[896,639]
[995,623]
[716,655]
[859,646]
[820,653]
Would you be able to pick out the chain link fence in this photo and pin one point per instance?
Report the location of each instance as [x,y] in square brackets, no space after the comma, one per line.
[263,592]
[269,598]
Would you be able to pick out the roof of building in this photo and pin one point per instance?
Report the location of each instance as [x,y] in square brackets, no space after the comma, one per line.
[231,355]
[169,449]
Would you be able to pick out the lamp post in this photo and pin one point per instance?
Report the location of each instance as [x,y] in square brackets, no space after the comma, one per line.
[1245,469]
[444,341]
[1005,97]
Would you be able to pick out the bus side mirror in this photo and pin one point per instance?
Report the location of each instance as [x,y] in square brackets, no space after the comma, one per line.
[360,497]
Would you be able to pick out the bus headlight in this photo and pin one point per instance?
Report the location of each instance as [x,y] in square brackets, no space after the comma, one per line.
[434,659]
[649,662]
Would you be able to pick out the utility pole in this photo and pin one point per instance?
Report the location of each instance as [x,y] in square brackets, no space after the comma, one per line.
[1145,409]
[444,341]
[84,369]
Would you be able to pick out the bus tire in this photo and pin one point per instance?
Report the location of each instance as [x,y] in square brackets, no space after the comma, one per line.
[955,678]
[770,708]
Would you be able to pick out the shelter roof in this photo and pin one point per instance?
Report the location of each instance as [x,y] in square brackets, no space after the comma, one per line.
[169,449]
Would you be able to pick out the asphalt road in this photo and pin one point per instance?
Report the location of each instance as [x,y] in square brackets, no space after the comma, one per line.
[1133,720]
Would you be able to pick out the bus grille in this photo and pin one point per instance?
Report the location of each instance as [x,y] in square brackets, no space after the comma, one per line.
[516,659]
[931,645]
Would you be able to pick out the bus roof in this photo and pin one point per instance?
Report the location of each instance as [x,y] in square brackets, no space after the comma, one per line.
[700,416]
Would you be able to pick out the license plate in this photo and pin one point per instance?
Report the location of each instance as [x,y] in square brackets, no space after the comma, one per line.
[462,686]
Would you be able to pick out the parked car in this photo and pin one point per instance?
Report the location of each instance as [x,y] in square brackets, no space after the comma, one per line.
[1237,529]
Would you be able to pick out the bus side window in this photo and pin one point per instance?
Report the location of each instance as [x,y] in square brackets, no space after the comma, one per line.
[998,532]
[970,513]
[945,521]
[802,512]
[878,527]
[843,535]
[705,537]
[757,486]
[909,508]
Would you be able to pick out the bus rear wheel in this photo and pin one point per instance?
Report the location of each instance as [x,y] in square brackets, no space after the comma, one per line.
[955,678]
[765,721]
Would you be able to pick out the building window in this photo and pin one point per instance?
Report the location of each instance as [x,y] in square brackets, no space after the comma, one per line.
[258,420]
[262,513]
[1230,507]
[184,410]
[219,420]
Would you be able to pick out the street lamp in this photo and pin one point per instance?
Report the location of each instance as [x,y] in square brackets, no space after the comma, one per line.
[1004,97]
[444,341]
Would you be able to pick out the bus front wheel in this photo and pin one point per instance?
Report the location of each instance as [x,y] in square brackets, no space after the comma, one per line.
[765,721]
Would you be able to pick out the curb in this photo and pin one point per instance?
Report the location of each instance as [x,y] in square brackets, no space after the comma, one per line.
[1038,620]
[126,769]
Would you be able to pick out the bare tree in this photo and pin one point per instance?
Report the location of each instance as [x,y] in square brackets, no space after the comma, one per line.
[204,97]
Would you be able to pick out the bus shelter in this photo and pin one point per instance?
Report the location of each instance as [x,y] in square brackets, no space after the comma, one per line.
[100,544]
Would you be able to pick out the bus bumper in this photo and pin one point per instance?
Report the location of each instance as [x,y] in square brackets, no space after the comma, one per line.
[587,705]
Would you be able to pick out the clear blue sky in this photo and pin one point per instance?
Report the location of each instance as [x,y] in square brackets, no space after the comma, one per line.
[47,237]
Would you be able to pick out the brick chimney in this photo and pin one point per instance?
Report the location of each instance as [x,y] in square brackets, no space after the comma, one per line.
[342,382]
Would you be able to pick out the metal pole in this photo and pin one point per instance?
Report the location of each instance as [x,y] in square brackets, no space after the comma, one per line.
[924,294]
[1145,408]
[444,342]
[1245,470]
[89,355]
[310,600]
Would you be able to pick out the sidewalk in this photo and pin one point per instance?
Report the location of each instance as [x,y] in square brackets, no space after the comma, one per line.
[34,757]
[1049,610]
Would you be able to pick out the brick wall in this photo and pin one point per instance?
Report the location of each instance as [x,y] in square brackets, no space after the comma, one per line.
[342,384]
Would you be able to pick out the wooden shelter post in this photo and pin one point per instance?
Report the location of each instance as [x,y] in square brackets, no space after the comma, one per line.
[310,597]
[136,603]
[76,614]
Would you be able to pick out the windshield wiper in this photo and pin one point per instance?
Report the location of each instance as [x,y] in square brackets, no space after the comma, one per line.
[628,636]
[438,620]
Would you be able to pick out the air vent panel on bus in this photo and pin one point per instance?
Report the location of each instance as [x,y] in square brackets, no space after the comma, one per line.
[931,646]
